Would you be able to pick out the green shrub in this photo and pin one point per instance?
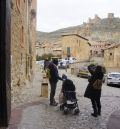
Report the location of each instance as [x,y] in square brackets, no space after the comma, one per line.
[44,56]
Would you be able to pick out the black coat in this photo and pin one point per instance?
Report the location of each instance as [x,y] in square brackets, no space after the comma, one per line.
[68,85]
[54,76]
[90,92]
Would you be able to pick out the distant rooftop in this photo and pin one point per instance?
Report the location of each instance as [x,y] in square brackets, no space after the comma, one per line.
[75,35]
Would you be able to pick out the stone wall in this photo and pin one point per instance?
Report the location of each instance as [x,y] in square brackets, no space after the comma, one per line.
[32,37]
[18,42]
[23,38]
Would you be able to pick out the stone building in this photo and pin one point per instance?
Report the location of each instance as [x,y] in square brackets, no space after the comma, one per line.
[76,46]
[32,7]
[97,47]
[57,51]
[23,38]
[44,48]
[94,20]
[112,57]
[48,48]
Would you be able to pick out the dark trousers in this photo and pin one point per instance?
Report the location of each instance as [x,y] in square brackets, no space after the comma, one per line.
[96,104]
[52,91]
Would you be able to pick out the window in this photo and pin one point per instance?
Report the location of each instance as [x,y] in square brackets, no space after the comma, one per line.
[110,54]
[68,51]
[90,52]
[111,57]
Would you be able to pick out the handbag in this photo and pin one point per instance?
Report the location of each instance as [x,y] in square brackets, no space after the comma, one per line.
[97,84]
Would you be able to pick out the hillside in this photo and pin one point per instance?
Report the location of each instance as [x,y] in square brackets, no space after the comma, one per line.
[55,35]
[96,29]
[106,29]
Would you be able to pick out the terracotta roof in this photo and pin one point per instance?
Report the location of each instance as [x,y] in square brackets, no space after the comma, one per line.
[75,35]
[112,46]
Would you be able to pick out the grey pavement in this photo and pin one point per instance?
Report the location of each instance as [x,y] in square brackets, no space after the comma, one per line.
[114,120]
[37,114]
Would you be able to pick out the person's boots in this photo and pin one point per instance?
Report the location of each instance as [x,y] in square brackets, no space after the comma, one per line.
[53,103]
[99,111]
[95,114]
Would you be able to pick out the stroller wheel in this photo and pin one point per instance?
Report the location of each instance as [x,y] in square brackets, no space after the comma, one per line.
[65,111]
[76,111]
[61,107]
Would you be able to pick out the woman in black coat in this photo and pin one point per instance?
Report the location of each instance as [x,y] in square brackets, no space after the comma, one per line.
[91,92]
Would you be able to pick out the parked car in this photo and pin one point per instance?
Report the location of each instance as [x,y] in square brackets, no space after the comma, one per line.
[41,62]
[63,64]
[71,59]
[83,72]
[113,78]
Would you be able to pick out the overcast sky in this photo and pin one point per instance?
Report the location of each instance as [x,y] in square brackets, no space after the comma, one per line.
[57,14]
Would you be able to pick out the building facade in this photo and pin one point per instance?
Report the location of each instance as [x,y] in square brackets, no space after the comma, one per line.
[112,57]
[97,48]
[23,38]
[49,48]
[76,46]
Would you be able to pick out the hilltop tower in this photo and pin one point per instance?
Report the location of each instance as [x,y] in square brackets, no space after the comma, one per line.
[110,15]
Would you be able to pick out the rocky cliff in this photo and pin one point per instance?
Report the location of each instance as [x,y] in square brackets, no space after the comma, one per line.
[97,29]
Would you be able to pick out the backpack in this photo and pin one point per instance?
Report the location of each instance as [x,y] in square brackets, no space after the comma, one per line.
[48,75]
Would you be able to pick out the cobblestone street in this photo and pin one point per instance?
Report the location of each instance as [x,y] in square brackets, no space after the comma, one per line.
[40,115]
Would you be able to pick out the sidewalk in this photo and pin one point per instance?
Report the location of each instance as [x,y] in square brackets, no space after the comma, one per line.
[39,115]
[36,113]
[114,120]
[23,117]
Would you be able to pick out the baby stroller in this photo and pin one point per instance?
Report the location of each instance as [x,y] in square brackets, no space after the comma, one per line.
[69,98]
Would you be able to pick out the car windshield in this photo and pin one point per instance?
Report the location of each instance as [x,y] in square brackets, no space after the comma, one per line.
[115,75]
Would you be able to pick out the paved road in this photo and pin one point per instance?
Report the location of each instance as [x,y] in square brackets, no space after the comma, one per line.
[43,116]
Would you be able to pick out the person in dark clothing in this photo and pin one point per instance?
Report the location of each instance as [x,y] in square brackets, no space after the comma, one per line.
[69,100]
[92,93]
[67,86]
[88,91]
[54,77]
[46,64]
